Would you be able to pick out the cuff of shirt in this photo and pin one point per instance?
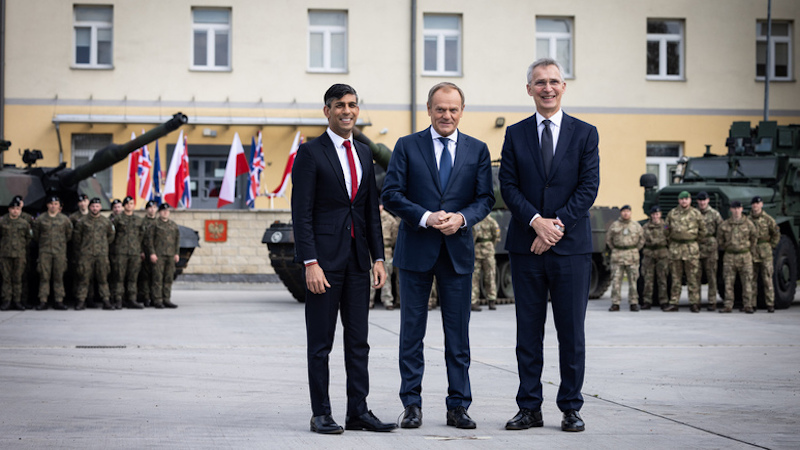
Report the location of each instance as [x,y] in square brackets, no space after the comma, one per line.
[465,220]
[309,261]
[536,216]
[423,222]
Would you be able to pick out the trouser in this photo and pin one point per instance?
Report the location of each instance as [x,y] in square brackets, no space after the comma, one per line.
[386,291]
[764,269]
[126,276]
[89,268]
[655,269]
[145,281]
[708,266]
[616,283]
[691,267]
[485,270]
[163,274]
[12,270]
[51,267]
[741,263]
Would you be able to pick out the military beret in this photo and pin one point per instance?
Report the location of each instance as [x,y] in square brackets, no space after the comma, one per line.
[14,202]
[83,197]
[17,198]
[702,195]
[115,201]
[151,203]
[95,200]
[736,204]
[624,207]
[53,198]
[684,194]
[756,199]
[655,209]
[127,200]
[163,207]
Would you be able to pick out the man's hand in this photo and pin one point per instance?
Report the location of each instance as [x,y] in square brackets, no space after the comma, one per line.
[435,218]
[153,258]
[315,279]
[450,223]
[378,275]
[177,258]
[539,246]
[546,229]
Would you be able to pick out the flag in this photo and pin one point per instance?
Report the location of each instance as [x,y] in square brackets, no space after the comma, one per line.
[183,174]
[236,165]
[157,177]
[256,167]
[175,186]
[133,166]
[280,190]
[145,180]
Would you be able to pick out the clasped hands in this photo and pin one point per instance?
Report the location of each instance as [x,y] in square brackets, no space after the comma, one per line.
[447,223]
[547,235]
[317,283]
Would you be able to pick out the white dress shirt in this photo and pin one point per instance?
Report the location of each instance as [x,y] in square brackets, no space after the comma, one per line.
[438,148]
[341,152]
[555,130]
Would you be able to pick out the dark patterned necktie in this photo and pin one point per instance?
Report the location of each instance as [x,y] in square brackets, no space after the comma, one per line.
[445,163]
[547,146]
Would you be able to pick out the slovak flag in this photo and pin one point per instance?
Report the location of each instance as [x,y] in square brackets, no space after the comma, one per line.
[145,180]
[281,190]
[177,175]
[157,177]
[256,167]
[236,165]
[133,167]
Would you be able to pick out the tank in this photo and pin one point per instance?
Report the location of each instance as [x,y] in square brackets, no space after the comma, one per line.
[760,161]
[35,184]
[279,238]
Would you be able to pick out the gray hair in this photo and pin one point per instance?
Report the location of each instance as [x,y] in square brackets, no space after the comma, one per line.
[544,62]
[445,85]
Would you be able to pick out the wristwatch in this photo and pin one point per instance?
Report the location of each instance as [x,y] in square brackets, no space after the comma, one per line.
[560,228]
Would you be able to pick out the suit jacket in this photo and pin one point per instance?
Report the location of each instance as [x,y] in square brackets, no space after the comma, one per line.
[412,187]
[567,192]
[322,213]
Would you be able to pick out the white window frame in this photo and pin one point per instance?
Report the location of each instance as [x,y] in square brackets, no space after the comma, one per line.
[775,40]
[327,31]
[553,38]
[211,35]
[662,40]
[93,26]
[441,35]
[663,162]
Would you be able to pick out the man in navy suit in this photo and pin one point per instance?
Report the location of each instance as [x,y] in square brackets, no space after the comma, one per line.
[549,176]
[439,182]
[337,231]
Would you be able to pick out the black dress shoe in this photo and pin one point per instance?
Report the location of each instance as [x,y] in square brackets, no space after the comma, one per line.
[412,417]
[367,422]
[572,421]
[325,425]
[525,418]
[459,418]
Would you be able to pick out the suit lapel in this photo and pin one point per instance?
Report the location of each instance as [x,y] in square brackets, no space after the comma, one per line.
[425,144]
[564,137]
[365,157]
[462,153]
[330,153]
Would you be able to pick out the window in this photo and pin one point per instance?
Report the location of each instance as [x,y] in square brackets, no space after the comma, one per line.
[327,41]
[554,40]
[780,63]
[84,146]
[93,36]
[211,36]
[206,171]
[664,49]
[662,159]
[442,38]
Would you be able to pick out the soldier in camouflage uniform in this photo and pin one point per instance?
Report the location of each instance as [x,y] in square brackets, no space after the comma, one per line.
[685,225]
[163,246]
[709,254]
[655,260]
[146,272]
[31,256]
[126,255]
[389,227]
[625,237]
[52,231]
[116,209]
[15,234]
[486,234]
[768,237]
[737,236]
[93,235]
[72,251]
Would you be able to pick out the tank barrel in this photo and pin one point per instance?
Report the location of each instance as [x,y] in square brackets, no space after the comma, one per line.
[380,153]
[115,153]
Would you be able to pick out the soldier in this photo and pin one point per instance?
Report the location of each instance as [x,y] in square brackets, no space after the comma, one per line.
[486,234]
[625,238]
[25,216]
[656,258]
[685,225]
[116,209]
[93,235]
[15,234]
[709,254]
[52,231]
[163,245]
[146,272]
[768,237]
[72,251]
[389,227]
[31,257]
[127,255]
[737,236]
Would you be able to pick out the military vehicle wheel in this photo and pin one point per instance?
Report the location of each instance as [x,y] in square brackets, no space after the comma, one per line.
[601,278]
[785,273]
[504,287]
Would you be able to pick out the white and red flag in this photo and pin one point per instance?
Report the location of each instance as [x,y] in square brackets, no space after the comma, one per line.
[177,177]
[236,165]
[133,167]
[287,172]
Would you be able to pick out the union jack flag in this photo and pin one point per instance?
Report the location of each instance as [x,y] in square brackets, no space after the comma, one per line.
[145,180]
[256,167]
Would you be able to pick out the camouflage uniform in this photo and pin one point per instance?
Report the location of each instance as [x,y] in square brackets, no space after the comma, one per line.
[93,235]
[738,240]
[72,258]
[625,238]
[486,234]
[684,227]
[389,227]
[163,240]
[52,234]
[15,234]
[709,253]
[655,261]
[126,257]
[30,261]
[146,270]
[768,237]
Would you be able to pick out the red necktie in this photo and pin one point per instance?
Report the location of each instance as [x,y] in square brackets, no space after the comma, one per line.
[353,181]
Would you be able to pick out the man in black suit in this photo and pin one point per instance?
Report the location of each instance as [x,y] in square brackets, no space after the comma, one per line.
[337,230]
[549,176]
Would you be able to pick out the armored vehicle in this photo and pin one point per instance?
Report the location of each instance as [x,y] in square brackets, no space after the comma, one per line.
[760,161]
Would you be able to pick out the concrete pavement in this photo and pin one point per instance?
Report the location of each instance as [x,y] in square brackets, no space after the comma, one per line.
[227,370]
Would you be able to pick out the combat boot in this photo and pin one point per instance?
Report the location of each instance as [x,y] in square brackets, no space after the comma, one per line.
[158,304]
[41,306]
[749,309]
[491,305]
[107,304]
[646,306]
[19,306]
[117,303]
[59,305]
[133,304]
[614,308]
[169,304]
[476,307]
[80,306]
[712,306]
[635,307]
[5,306]
[670,308]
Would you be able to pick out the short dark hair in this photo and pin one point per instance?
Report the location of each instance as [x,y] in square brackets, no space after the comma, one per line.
[442,85]
[338,91]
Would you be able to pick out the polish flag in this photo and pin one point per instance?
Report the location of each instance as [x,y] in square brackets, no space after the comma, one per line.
[133,167]
[281,190]
[175,186]
[236,165]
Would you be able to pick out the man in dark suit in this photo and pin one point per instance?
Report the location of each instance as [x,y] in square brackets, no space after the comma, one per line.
[549,178]
[439,183]
[337,230]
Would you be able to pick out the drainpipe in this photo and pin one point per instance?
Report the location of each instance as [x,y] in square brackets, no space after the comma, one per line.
[2,73]
[767,67]
[413,66]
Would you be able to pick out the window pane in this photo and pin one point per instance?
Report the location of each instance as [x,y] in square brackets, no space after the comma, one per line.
[673,58]
[93,13]
[200,48]
[104,45]
[781,59]
[430,54]
[440,22]
[326,18]
[451,54]
[652,57]
[221,48]
[315,50]
[761,29]
[663,27]
[779,28]
[663,150]
[552,25]
[562,54]
[337,51]
[542,48]
[82,45]
[211,16]
[761,58]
